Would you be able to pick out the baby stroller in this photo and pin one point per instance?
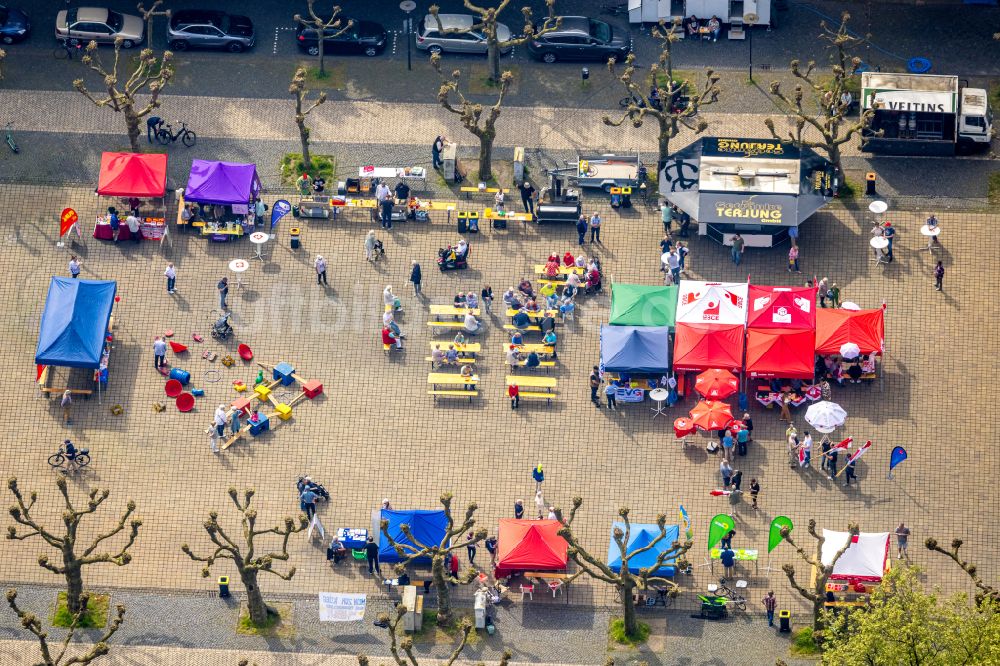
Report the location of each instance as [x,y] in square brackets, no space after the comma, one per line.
[305,483]
[221,328]
[378,251]
[448,258]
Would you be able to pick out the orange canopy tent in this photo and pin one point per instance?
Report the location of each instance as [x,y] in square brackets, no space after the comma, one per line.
[529,545]
[132,175]
[835,327]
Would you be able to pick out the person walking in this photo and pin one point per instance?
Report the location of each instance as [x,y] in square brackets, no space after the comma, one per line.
[595,383]
[726,472]
[527,196]
[595,228]
[371,555]
[581,229]
[666,215]
[728,445]
[822,291]
[674,265]
[786,413]
[770,604]
[219,422]
[307,502]
[889,233]
[491,548]
[159,352]
[74,267]
[902,536]
[486,296]
[834,295]
[793,259]
[849,473]
[824,459]
[538,475]
[938,276]
[67,401]
[514,393]
[540,506]
[436,149]
[415,277]
[807,443]
[171,274]
[223,288]
[518,509]
[320,265]
[737,481]
[754,492]
[470,549]
[737,251]
[610,391]
[831,464]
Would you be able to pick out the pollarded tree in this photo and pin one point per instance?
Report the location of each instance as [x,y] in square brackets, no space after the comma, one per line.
[332,27]
[249,564]
[150,76]
[55,655]
[3,55]
[486,25]
[984,592]
[148,15]
[74,557]
[454,538]
[302,109]
[817,595]
[827,111]
[624,581]
[479,120]
[905,625]
[671,116]
[391,626]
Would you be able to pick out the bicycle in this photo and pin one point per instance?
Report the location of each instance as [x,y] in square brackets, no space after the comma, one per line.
[731,595]
[164,134]
[10,139]
[65,50]
[63,462]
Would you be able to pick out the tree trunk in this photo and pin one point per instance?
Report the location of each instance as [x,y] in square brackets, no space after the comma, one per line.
[132,125]
[74,588]
[493,56]
[304,138]
[486,156]
[322,60]
[255,600]
[628,610]
[441,585]
[664,142]
[834,152]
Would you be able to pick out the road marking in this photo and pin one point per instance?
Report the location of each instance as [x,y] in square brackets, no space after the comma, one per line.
[277,32]
[395,37]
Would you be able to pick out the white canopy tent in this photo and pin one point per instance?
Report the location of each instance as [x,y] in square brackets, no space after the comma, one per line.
[867,558]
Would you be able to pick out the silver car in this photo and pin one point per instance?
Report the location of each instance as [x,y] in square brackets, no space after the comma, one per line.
[86,24]
[430,38]
[190,28]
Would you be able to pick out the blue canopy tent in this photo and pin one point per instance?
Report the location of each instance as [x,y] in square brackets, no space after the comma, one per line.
[75,322]
[427,527]
[639,349]
[641,535]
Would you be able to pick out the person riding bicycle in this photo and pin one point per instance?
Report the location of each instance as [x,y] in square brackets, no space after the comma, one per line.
[71,451]
[153,124]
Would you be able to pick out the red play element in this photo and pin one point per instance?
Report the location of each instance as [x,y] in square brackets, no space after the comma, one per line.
[312,388]
[163,371]
[185,402]
[177,347]
[169,333]
[173,388]
[242,405]
[245,352]
[197,338]
[38,371]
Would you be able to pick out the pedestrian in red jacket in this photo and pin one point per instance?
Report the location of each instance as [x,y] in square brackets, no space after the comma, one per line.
[515,396]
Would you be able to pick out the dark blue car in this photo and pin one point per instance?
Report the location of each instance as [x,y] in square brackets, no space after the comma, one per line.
[14,25]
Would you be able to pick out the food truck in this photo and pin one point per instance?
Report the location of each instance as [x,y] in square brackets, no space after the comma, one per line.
[733,12]
[924,114]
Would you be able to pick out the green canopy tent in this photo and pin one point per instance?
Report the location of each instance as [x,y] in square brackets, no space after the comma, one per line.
[643,305]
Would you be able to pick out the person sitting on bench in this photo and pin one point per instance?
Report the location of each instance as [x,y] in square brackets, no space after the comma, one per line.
[513,355]
[402,191]
[525,288]
[691,25]
[532,360]
[336,551]
[472,326]
[714,27]
[521,320]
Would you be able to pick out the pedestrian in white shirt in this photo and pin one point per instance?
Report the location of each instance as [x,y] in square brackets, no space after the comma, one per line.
[320,265]
[219,422]
[171,275]
[74,267]
[133,227]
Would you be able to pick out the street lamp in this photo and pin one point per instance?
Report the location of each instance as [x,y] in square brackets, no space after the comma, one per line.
[408,6]
[748,21]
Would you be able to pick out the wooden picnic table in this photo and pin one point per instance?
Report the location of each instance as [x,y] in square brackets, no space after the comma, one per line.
[563,270]
[527,348]
[451,378]
[467,348]
[531,381]
[537,314]
[452,311]
[490,214]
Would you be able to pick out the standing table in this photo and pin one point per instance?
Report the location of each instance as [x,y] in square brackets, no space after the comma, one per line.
[258,238]
[932,236]
[239,266]
[660,396]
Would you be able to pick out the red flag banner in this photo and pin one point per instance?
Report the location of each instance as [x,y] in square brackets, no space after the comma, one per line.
[66,221]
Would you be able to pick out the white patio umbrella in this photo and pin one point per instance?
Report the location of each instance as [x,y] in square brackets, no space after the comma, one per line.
[850,305]
[849,350]
[825,416]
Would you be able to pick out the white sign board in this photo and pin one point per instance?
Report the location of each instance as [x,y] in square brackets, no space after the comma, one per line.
[335,607]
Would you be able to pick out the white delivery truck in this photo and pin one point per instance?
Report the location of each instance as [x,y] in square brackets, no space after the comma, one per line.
[924,114]
[736,13]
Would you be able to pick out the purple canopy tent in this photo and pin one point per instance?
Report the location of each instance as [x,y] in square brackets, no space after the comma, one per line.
[223,183]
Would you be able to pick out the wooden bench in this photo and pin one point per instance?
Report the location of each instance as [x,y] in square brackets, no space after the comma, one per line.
[526,329]
[459,361]
[541,364]
[470,394]
[533,395]
[442,325]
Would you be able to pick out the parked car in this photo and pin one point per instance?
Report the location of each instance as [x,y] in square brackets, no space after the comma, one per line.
[14,25]
[581,38]
[194,28]
[86,24]
[365,37]
[430,38]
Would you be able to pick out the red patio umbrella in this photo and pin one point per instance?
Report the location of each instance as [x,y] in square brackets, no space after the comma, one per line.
[177,347]
[716,384]
[711,415]
[683,427]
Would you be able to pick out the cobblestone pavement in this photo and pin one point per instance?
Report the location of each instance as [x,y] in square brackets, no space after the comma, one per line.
[376,434]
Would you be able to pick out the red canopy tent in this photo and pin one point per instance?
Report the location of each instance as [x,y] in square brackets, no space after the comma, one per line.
[132,175]
[786,354]
[865,328]
[702,346]
[529,545]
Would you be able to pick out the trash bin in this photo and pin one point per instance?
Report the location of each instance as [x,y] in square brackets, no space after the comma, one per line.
[785,621]
[870,180]
[463,222]
[295,233]
[224,587]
